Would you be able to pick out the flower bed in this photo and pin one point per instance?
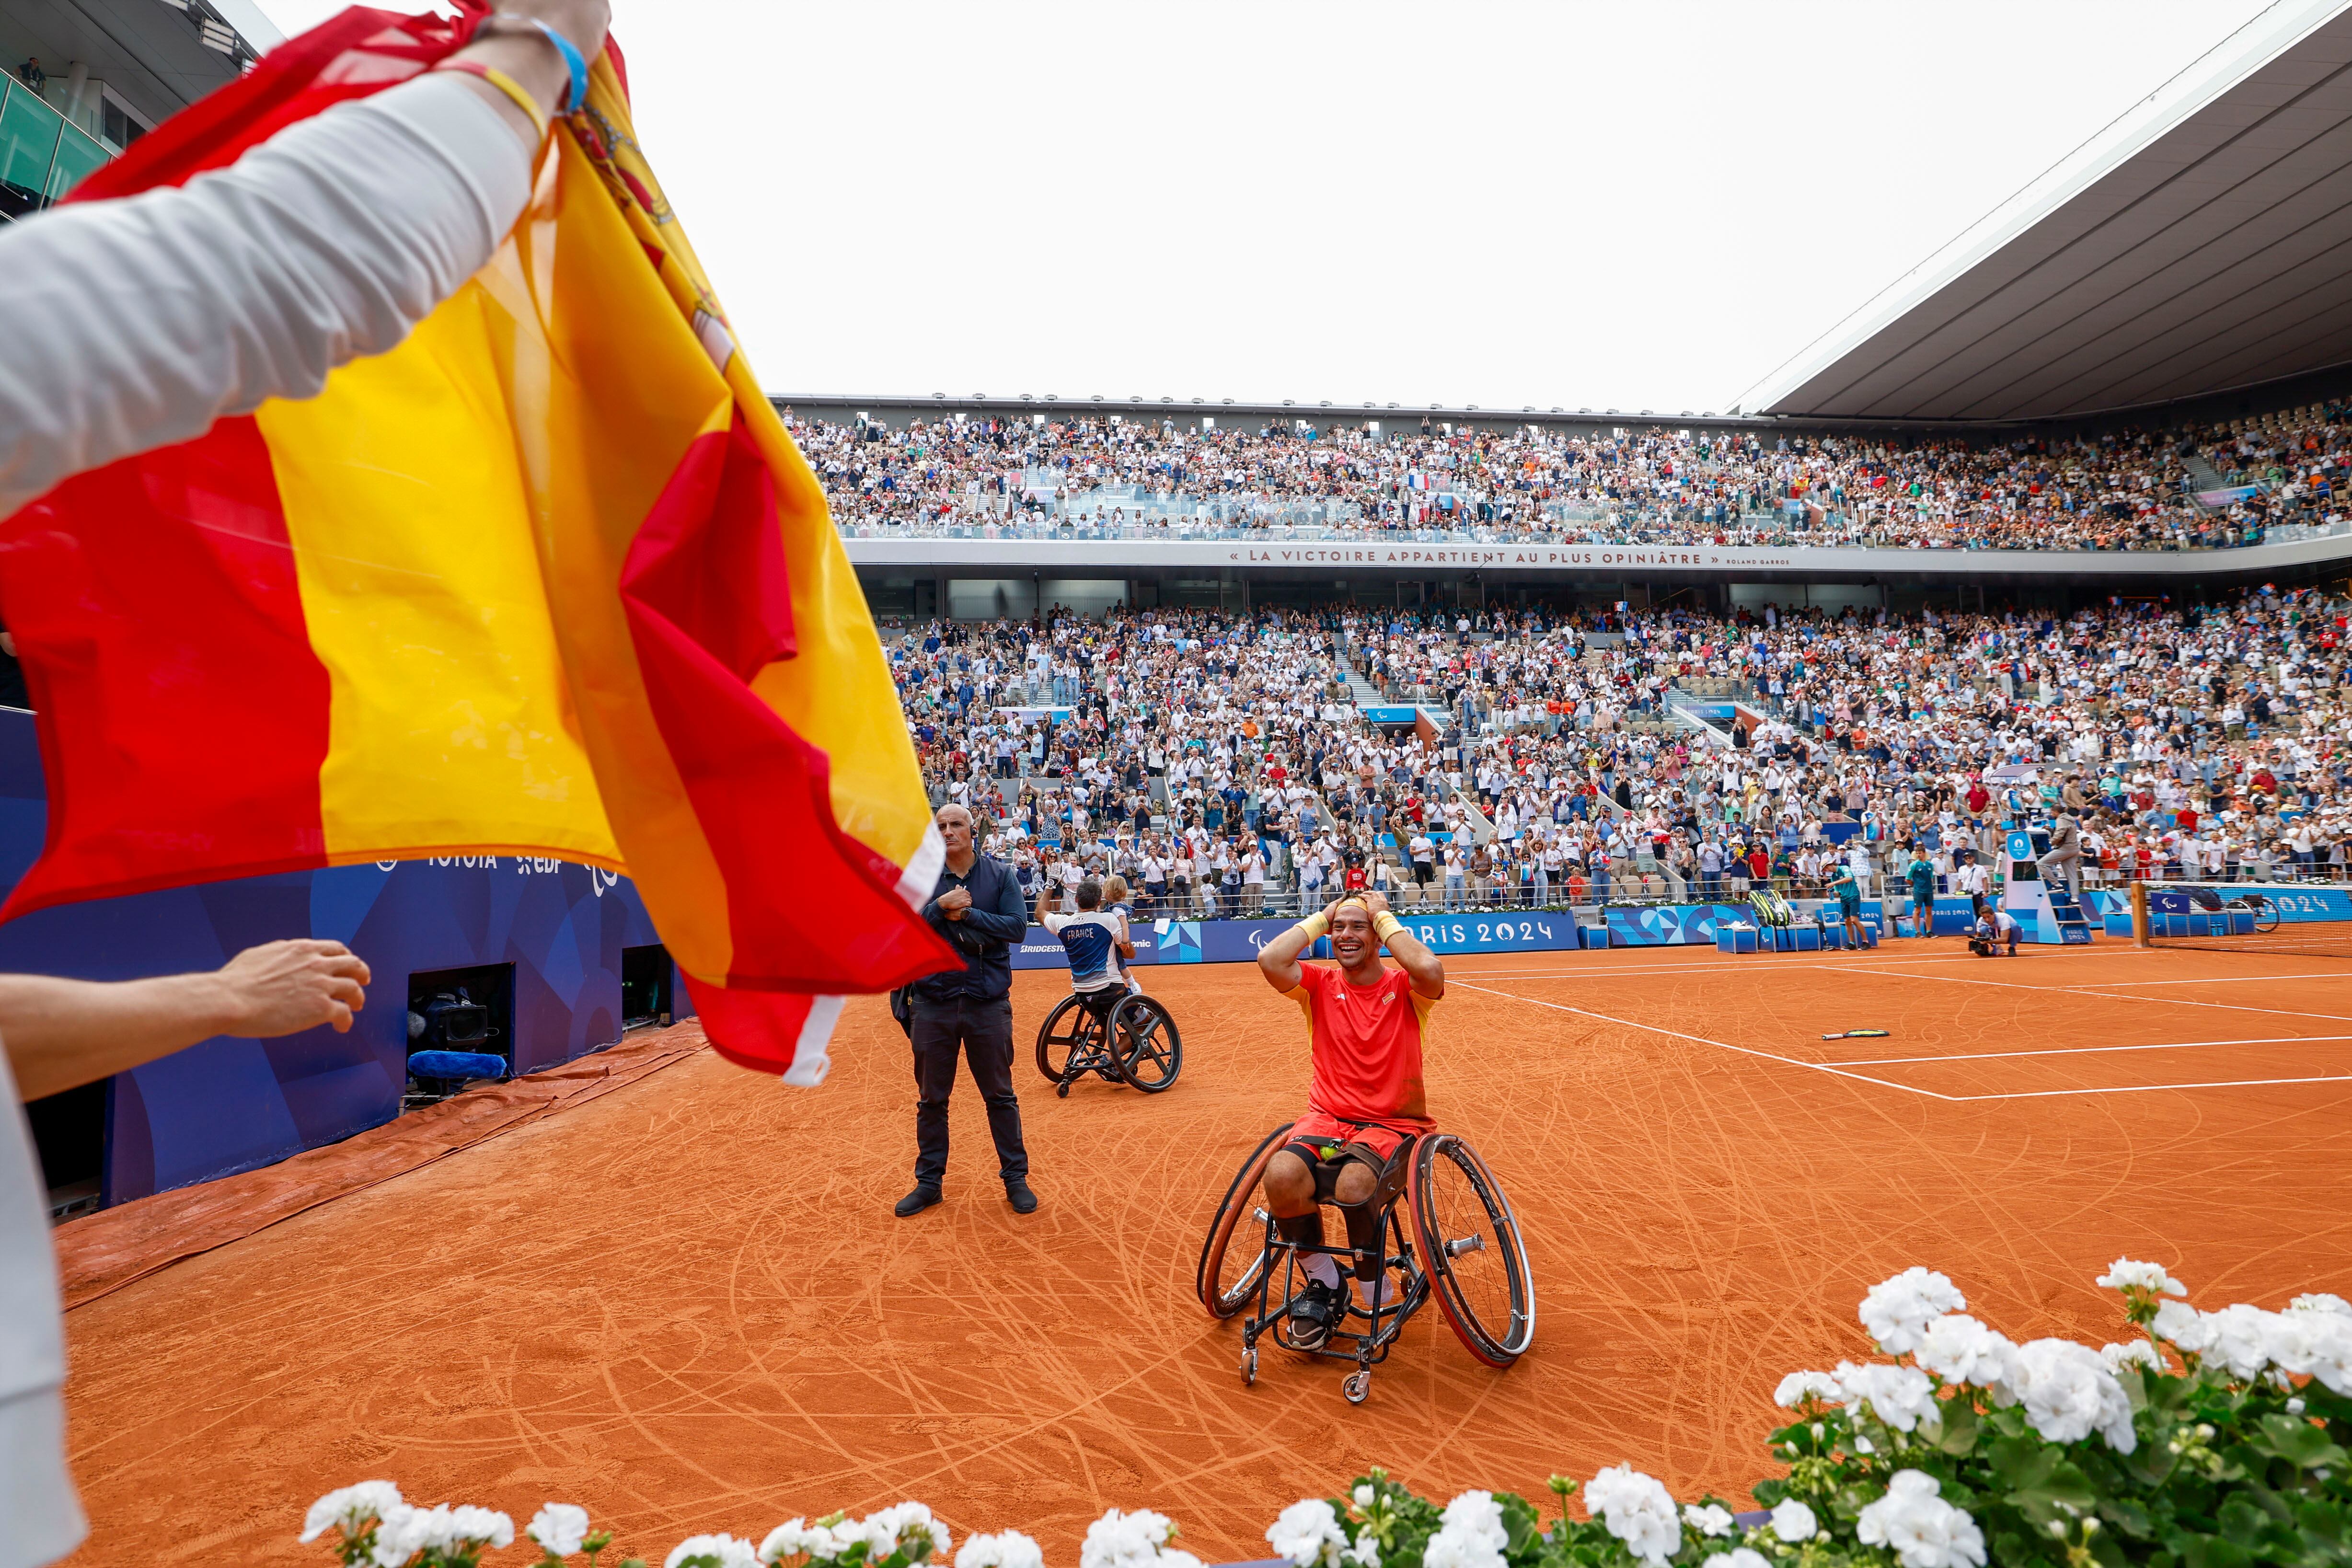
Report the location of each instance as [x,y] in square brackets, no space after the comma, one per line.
[2212,1440]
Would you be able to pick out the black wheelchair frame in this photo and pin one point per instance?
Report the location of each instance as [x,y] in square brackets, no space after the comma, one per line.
[1365,1338]
[1134,1040]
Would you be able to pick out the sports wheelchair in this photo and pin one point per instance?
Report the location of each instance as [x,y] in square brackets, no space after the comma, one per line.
[1120,1036]
[2259,910]
[1464,1249]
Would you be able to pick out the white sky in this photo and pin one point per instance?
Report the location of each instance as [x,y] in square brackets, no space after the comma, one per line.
[1604,205]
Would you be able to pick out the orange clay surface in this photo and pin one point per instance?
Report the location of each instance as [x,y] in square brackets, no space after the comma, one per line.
[686,1305]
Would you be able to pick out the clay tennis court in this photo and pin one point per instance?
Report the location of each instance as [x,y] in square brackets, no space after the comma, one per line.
[684,1304]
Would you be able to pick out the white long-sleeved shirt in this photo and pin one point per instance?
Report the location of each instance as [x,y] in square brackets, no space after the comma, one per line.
[136,323]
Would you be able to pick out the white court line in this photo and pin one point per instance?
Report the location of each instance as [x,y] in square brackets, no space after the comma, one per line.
[2081,991]
[2145,1087]
[1702,1040]
[2216,980]
[2093,1050]
[1836,1070]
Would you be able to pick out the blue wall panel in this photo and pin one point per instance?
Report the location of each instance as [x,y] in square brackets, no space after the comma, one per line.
[229,1105]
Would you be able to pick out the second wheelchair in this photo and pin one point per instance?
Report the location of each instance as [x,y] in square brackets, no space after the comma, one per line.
[1115,1034]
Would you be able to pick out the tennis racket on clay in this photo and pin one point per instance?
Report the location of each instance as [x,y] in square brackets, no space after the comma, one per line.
[1858,1035]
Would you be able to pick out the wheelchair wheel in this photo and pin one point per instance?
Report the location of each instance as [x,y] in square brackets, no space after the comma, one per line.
[2265,913]
[1469,1242]
[1145,1044]
[1066,1030]
[1234,1253]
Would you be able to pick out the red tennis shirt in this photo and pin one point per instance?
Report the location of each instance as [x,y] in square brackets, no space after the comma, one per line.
[1367,1043]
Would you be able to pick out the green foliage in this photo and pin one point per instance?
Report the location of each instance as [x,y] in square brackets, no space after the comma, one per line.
[2224,1472]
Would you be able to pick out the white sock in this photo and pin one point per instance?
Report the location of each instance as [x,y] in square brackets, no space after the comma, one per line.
[1322,1267]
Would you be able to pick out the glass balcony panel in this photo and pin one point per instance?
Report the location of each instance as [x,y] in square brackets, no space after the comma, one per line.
[78,154]
[29,130]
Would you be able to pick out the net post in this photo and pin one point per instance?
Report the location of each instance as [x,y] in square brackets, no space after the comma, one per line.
[2140,913]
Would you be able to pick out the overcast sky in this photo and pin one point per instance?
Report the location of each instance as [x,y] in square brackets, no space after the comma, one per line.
[1631,206]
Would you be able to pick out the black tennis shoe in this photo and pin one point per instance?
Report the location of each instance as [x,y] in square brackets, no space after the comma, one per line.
[915,1202]
[1314,1313]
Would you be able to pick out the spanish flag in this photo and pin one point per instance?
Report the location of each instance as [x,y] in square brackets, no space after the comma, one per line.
[549,579]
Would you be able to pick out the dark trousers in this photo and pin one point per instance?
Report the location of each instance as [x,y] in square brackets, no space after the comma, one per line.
[984,1032]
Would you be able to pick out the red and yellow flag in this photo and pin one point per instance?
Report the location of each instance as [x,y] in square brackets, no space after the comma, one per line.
[549,578]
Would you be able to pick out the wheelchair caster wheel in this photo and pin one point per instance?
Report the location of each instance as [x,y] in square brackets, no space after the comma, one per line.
[1249,1366]
[1062,1091]
[1357,1386]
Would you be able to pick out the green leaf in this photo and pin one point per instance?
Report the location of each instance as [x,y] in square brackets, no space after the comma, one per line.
[2041,1478]
[1960,1425]
[2242,1522]
[2296,1440]
[2127,1516]
[1519,1524]
[2213,1552]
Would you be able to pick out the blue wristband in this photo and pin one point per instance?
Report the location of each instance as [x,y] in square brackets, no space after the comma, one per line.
[572,62]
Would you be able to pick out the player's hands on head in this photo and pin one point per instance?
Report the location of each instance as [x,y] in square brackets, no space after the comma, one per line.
[281,987]
[1375,901]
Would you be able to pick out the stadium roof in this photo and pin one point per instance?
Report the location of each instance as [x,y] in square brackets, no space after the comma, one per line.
[2193,246]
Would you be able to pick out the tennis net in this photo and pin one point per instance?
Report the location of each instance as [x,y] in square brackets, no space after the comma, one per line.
[2287,918]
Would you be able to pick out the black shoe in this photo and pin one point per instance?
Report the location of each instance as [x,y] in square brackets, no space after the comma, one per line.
[915,1202]
[1314,1313]
[1017,1194]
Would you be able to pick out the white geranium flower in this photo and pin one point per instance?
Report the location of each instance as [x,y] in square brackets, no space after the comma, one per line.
[1637,1510]
[399,1535]
[1367,1548]
[2180,1324]
[2320,1302]
[2329,1348]
[1308,1533]
[1453,1548]
[1800,1387]
[1921,1529]
[1792,1521]
[2125,1274]
[1714,1519]
[2068,1394]
[348,1508]
[1007,1549]
[482,1524]
[903,1525]
[2242,1340]
[1958,1349]
[1902,1397]
[796,1537]
[1898,1310]
[723,1550]
[559,1528]
[1364,1495]
[2132,1352]
[1738,1557]
[1127,1540]
[1480,1516]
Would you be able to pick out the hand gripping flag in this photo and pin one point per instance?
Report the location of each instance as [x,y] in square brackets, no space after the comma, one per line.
[549,578]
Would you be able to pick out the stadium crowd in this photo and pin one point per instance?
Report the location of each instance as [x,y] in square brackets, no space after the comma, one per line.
[1225,765]
[2132,489]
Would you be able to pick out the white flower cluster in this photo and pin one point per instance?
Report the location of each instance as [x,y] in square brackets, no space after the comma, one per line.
[723,1550]
[1470,1534]
[1007,1549]
[559,1528]
[908,1525]
[402,1529]
[2125,1274]
[1921,1529]
[1898,1311]
[1309,1533]
[2313,1338]
[1138,1539]
[1636,1510]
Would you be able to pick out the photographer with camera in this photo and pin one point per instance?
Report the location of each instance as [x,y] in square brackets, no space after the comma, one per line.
[978,907]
